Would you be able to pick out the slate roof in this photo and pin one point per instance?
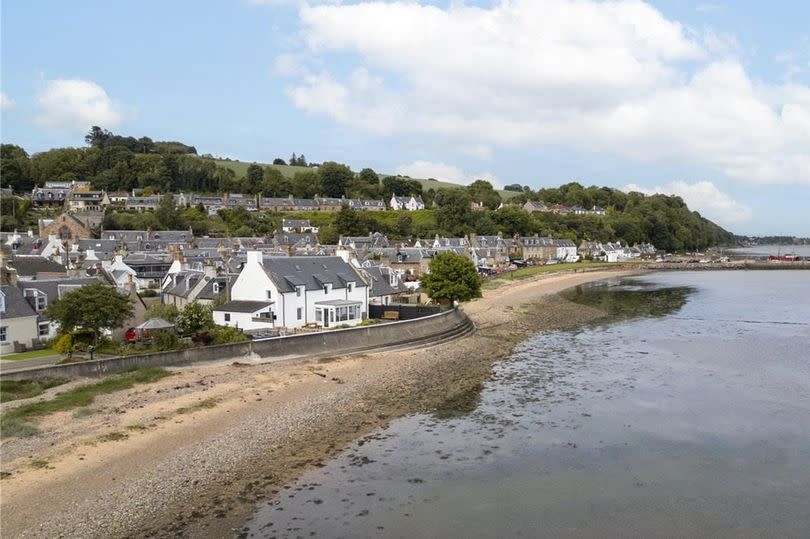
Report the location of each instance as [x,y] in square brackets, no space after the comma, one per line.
[380,284]
[242,306]
[16,306]
[29,266]
[56,288]
[312,271]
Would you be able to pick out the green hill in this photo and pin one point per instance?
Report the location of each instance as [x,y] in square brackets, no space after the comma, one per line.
[240,169]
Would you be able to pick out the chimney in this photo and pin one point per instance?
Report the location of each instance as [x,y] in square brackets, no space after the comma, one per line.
[254,257]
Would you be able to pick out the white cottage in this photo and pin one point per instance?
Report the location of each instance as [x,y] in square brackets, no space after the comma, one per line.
[294,292]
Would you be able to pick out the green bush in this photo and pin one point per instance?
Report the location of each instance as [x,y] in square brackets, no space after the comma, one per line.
[225,335]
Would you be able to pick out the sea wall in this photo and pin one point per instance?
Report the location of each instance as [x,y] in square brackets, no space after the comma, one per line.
[334,342]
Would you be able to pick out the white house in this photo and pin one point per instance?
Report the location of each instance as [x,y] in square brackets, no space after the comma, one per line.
[298,225]
[297,291]
[411,203]
[566,250]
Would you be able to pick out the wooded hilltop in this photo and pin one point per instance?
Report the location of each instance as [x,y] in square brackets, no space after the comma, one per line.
[120,163]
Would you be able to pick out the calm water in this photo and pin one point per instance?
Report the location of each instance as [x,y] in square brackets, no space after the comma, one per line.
[766,250]
[687,416]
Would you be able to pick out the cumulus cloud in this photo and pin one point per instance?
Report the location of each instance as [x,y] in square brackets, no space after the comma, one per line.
[444,172]
[75,105]
[613,77]
[704,197]
[5,101]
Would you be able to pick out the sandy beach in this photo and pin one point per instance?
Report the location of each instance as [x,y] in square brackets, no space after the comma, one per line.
[190,455]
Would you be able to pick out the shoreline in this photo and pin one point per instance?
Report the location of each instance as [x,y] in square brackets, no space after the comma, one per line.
[192,454]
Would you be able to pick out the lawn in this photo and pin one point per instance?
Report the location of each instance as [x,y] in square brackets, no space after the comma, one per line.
[28,355]
[524,273]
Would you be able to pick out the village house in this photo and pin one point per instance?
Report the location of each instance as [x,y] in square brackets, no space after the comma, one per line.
[142,203]
[298,225]
[80,201]
[566,250]
[329,204]
[238,200]
[537,248]
[293,292]
[384,285]
[411,203]
[19,322]
[365,205]
[532,206]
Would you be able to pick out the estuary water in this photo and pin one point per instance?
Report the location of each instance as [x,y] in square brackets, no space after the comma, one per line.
[686,414]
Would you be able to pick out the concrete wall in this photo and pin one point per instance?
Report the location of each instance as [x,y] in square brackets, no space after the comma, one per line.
[335,342]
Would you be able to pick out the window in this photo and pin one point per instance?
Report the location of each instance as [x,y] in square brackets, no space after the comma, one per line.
[44,329]
[269,294]
[326,289]
[350,286]
[3,333]
[41,303]
[300,313]
[227,317]
[298,291]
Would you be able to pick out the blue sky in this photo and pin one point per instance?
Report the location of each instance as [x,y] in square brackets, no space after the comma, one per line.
[709,100]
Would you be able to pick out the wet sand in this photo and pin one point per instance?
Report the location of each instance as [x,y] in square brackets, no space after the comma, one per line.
[190,455]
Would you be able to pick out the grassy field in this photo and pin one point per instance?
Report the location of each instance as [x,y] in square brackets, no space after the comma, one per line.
[18,422]
[240,169]
[28,355]
[525,273]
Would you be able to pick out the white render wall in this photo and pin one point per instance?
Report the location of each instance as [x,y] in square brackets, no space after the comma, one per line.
[240,320]
[253,284]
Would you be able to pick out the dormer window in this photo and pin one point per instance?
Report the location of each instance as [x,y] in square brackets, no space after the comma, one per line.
[350,286]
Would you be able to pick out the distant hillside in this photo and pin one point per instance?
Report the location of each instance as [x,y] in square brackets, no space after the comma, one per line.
[240,169]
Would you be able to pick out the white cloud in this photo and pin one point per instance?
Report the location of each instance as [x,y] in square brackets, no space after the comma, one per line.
[5,101]
[612,77]
[446,173]
[75,105]
[705,198]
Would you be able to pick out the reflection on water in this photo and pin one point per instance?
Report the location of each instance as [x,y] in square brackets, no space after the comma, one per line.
[692,420]
[630,298]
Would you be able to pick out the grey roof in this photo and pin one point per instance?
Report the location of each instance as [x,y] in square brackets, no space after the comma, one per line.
[155,323]
[241,306]
[402,255]
[29,266]
[295,223]
[338,302]
[296,238]
[312,271]
[223,281]
[56,288]
[16,306]
[380,283]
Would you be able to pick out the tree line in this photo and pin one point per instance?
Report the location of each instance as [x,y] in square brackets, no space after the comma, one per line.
[118,163]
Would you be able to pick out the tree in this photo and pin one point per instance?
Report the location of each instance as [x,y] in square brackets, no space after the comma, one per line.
[279,161]
[15,168]
[167,215]
[369,176]
[97,137]
[254,177]
[334,178]
[482,191]
[452,277]
[194,318]
[165,311]
[94,306]
[350,222]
